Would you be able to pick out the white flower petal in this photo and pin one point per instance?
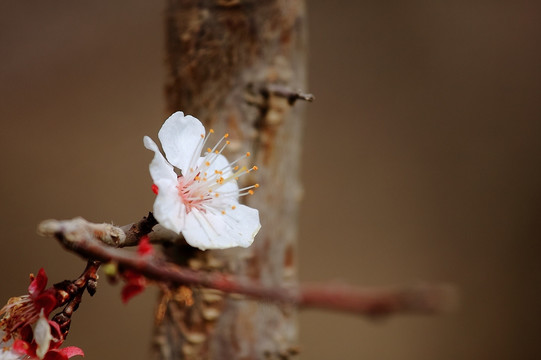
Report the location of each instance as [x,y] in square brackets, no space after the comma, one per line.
[42,335]
[244,223]
[214,230]
[181,140]
[228,195]
[8,354]
[169,209]
[159,167]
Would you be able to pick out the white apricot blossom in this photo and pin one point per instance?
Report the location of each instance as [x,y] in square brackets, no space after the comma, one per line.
[202,202]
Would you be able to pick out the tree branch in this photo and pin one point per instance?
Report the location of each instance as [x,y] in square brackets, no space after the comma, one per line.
[135,231]
[75,236]
[72,293]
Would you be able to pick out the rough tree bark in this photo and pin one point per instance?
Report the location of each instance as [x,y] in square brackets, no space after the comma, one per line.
[231,64]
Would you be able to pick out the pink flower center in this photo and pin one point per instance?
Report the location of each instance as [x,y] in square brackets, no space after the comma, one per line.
[192,195]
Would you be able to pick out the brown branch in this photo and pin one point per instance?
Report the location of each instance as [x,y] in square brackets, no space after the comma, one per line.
[135,231]
[369,302]
[123,236]
[70,294]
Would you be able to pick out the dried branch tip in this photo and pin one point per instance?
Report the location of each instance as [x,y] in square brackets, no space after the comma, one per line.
[79,229]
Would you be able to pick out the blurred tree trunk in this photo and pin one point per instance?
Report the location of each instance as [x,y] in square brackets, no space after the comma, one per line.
[224,58]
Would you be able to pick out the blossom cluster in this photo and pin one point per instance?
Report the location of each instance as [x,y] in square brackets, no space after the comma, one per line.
[27,331]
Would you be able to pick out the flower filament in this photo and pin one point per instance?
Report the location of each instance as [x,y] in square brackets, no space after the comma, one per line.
[200,187]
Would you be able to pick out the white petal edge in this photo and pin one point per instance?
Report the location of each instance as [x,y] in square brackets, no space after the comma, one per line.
[159,168]
[168,208]
[42,335]
[181,140]
[214,230]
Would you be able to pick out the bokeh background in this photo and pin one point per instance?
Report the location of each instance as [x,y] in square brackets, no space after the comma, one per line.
[421,163]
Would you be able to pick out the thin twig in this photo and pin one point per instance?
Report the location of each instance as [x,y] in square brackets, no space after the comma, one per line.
[369,302]
[135,231]
[286,92]
[71,294]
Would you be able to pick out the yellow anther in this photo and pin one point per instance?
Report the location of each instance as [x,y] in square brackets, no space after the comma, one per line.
[251,192]
[256,186]
[209,150]
[204,179]
[211,131]
[216,172]
[210,190]
[236,178]
[255,168]
[197,178]
[233,207]
[202,136]
[216,152]
[228,142]
[207,163]
[236,168]
[248,154]
[216,194]
[226,135]
[223,212]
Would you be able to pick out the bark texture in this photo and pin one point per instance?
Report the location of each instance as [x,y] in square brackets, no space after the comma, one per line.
[224,58]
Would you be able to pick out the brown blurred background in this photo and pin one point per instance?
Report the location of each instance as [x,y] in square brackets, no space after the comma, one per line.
[422,163]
